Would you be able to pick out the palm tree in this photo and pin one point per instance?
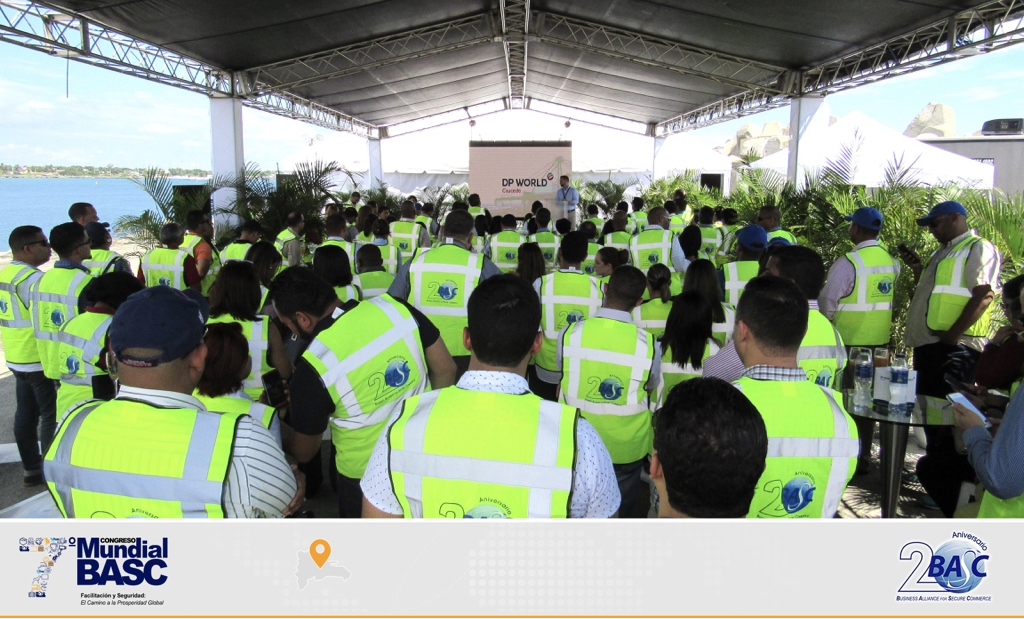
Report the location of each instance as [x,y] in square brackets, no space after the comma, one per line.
[171,205]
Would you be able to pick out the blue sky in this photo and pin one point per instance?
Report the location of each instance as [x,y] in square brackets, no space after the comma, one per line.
[71,113]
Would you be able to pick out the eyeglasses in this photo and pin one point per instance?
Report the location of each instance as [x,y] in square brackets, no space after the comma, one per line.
[43,242]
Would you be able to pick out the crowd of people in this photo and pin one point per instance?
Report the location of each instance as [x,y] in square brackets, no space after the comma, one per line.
[667,361]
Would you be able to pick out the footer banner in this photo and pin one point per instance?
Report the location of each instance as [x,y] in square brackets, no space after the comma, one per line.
[549,568]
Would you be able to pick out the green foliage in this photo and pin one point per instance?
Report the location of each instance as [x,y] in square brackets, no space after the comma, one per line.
[606,194]
[144,229]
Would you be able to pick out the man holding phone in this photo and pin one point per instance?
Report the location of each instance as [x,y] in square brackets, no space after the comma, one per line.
[949,313]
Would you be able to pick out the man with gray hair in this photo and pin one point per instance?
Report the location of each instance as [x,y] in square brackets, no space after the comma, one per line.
[167,265]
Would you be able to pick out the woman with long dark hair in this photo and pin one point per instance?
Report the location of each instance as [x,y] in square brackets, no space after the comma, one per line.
[702,276]
[332,263]
[531,265]
[687,341]
[267,262]
[235,297]
[652,314]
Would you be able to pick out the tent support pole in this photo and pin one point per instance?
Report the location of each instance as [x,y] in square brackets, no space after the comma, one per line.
[226,144]
[806,125]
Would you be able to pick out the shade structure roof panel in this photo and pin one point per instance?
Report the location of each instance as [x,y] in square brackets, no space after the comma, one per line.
[641,60]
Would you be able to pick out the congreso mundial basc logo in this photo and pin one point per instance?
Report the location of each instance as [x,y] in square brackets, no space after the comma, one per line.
[950,573]
[102,564]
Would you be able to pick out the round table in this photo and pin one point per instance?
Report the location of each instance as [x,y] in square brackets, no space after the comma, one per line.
[927,411]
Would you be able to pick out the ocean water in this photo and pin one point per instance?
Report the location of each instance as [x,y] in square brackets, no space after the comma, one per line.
[44,202]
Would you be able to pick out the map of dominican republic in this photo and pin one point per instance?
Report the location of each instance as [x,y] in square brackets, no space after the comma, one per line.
[314,565]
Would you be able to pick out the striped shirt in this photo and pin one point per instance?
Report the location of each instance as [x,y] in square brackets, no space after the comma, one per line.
[260,483]
[773,372]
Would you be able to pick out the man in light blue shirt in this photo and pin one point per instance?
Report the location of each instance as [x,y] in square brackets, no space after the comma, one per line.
[569,197]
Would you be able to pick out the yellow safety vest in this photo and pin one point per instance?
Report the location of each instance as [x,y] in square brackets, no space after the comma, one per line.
[651,247]
[165,267]
[348,293]
[637,221]
[390,255]
[425,221]
[566,297]
[675,286]
[676,224]
[711,239]
[548,246]
[606,364]
[101,262]
[235,251]
[79,352]
[812,449]
[442,279]
[128,459]
[243,406]
[257,334]
[370,360]
[350,251]
[598,223]
[479,243]
[476,210]
[728,239]
[482,455]
[672,373]
[191,241]
[951,294]
[737,274]
[864,317]
[20,350]
[505,250]
[406,236]
[783,234]
[822,354]
[375,283]
[652,316]
[283,237]
[722,331]
[54,301]
[588,266]
[618,240]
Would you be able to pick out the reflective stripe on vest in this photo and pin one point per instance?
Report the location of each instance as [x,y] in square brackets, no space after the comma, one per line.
[85,482]
[676,224]
[566,297]
[442,281]
[231,404]
[374,283]
[672,373]
[406,236]
[782,234]
[102,261]
[259,345]
[548,246]
[20,350]
[589,265]
[811,440]
[436,471]
[389,256]
[235,251]
[80,348]
[722,331]
[370,360]
[505,250]
[618,240]
[165,267]
[737,274]
[190,243]
[864,317]
[822,354]
[652,316]
[54,301]
[425,222]
[651,247]
[951,294]
[605,366]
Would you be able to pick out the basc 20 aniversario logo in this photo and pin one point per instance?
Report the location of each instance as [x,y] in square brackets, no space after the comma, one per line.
[952,572]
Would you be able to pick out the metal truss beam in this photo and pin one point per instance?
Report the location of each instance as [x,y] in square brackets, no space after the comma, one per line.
[652,51]
[59,33]
[384,51]
[983,29]
[515,26]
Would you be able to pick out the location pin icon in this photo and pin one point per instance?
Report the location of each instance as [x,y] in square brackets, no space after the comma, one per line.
[320,550]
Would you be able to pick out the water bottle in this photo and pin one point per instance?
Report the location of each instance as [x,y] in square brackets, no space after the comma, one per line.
[862,380]
[898,375]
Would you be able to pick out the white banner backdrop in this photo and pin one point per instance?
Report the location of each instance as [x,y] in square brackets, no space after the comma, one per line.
[549,568]
[510,176]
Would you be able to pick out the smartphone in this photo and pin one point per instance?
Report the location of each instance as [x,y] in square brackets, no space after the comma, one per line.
[953,382]
[274,387]
[961,399]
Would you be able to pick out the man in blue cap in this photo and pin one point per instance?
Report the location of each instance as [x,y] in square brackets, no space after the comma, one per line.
[154,451]
[857,298]
[949,313]
[751,242]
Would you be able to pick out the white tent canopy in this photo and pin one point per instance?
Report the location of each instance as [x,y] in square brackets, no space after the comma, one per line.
[875,147]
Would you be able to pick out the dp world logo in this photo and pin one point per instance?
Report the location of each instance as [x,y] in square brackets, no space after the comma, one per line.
[885,286]
[610,389]
[3,305]
[165,281]
[72,364]
[653,257]
[958,566]
[57,317]
[551,176]
[397,373]
[797,494]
